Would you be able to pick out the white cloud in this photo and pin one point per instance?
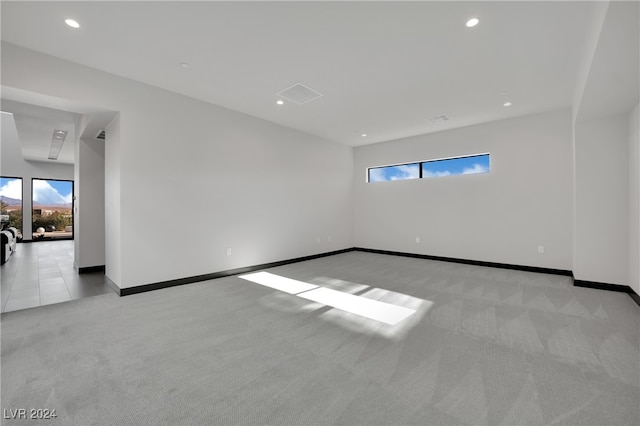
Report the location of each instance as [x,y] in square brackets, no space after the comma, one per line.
[44,193]
[382,174]
[406,172]
[429,174]
[376,175]
[12,189]
[477,168]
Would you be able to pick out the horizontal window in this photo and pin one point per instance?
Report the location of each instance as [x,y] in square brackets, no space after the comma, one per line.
[467,165]
[400,172]
[456,166]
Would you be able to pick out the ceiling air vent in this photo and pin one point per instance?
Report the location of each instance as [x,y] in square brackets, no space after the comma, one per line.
[101,135]
[57,140]
[438,119]
[299,94]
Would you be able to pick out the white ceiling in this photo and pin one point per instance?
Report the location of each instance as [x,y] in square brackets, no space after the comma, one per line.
[613,86]
[36,124]
[384,68]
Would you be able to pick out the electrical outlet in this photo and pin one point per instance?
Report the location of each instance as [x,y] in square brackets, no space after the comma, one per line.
[540,249]
[417,240]
[228,251]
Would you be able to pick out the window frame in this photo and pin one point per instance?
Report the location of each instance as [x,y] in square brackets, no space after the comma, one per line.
[418,163]
[21,200]
[73,205]
[420,166]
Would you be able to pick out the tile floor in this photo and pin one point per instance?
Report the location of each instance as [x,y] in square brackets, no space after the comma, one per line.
[42,273]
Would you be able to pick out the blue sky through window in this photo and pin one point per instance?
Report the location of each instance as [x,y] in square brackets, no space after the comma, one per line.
[456,166]
[437,168]
[52,192]
[11,188]
[405,171]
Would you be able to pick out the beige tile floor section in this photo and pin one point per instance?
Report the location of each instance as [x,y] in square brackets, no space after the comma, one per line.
[42,273]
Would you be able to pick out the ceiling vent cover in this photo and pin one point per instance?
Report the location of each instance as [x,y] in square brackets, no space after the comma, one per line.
[438,119]
[57,140]
[101,135]
[299,94]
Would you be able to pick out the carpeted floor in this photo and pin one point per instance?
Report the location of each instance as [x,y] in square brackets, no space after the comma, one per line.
[485,346]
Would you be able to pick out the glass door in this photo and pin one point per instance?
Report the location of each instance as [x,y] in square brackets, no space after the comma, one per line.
[11,204]
[52,209]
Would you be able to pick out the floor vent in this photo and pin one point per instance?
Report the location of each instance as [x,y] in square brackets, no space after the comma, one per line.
[299,94]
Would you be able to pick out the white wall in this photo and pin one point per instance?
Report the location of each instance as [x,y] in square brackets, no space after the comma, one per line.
[601,248]
[606,193]
[89,218]
[194,178]
[112,205]
[634,199]
[499,217]
[13,164]
[89,204]
[596,22]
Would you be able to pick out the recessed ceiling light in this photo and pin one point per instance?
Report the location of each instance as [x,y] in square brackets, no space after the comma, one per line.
[280,102]
[184,65]
[507,104]
[472,22]
[364,135]
[72,23]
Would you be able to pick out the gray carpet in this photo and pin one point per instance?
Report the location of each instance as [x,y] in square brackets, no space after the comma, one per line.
[495,347]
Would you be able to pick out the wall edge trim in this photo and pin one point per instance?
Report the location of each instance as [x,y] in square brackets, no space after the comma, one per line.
[90,269]
[471,262]
[230,272]
[221,274]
